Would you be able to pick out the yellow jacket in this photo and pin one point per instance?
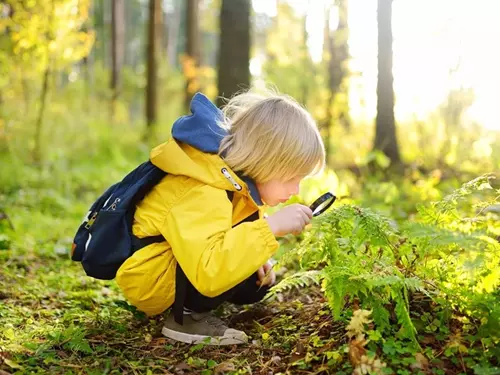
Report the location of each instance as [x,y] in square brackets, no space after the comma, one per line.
[190,208]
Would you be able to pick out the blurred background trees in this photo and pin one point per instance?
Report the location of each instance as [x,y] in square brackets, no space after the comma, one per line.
[71,69]
[405,94]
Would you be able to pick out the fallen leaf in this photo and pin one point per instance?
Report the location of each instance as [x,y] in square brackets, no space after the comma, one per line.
[11,363]
[299,349]
[355,328]
[182,366]
[421,362]
[224,367]
[276,360]
[356,351]
[428,340]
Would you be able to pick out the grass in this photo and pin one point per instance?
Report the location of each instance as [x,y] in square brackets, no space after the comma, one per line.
[56,320]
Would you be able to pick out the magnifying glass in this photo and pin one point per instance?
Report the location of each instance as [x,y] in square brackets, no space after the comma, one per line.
[322,204]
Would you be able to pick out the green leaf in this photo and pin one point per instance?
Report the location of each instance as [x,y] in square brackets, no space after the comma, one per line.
[11,363]
[211,363]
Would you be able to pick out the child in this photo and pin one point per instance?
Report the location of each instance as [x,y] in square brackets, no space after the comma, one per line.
[222,169]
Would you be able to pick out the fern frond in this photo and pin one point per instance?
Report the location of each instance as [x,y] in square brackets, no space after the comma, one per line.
[437,236]
[79,344]
[297,280]
[401,309]
[75,337]
[380,314]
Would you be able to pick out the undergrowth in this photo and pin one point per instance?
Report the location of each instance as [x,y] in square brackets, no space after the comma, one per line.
[437,274]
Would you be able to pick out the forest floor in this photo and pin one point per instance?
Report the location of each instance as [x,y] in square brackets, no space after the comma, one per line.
[56,320]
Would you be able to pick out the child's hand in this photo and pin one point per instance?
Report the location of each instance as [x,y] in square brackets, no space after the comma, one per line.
[290,219]
[266,275]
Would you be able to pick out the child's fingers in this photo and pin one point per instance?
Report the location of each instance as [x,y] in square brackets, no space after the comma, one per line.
[267,267]
[260,274]
[272,278]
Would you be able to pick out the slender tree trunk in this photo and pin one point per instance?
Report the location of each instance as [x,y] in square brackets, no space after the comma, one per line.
[87,63]
[306,62]
[173,35]
[337,49]
[234,50]
[152,69]
[37,152]
[341,47]
[25,89]
[106,23]
[117,50]
[329,49]
[192,50]
[385,130]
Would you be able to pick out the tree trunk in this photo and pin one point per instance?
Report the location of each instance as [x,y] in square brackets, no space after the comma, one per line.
[88,63]
[106,26]
[307,64]
[152,69]
[337,49]
[117,50]
[385,130]
[234,49]
[332,88]
[192,50]
[37,152]
[173,34]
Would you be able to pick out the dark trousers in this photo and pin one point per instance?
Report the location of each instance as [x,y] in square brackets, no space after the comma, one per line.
[244,293]
[186,295]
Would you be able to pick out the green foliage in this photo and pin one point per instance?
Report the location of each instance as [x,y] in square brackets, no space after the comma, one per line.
[297,280]
[40,33]
[355,245]
[71,338]
[443,255]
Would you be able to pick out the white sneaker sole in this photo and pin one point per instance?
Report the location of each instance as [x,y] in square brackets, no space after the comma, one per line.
[231,337]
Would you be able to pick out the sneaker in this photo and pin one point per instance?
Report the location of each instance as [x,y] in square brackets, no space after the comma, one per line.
[202,328]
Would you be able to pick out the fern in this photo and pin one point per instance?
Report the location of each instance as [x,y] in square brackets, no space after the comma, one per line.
[362,255]
[380,314]
[296,280]
[402,312]
[445,211]
[72,338]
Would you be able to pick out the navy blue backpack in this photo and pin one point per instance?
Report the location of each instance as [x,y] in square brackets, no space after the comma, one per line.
[105,240]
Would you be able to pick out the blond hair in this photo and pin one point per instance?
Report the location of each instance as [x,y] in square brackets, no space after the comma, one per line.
[270,136]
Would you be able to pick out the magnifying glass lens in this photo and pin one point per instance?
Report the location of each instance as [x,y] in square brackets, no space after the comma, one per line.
[321,204]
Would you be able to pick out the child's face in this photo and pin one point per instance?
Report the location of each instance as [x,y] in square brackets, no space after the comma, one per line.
[274,192]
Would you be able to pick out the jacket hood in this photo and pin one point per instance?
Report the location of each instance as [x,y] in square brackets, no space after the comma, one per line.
[193,150]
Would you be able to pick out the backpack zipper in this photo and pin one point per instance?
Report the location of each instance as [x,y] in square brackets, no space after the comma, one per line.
[91,221]
[114,204]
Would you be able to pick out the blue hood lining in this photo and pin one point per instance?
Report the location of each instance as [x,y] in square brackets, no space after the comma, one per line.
[202,131]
